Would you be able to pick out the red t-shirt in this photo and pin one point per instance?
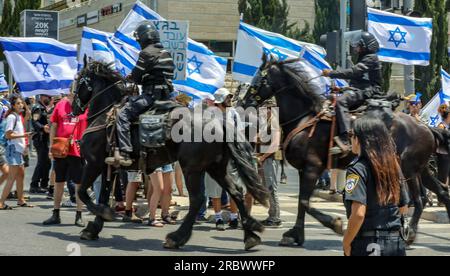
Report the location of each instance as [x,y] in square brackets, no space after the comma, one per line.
[68,125]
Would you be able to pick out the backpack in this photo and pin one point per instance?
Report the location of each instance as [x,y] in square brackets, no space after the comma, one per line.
[3,140]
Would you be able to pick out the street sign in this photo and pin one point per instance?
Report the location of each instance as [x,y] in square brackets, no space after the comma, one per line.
[36,23]
[174,36]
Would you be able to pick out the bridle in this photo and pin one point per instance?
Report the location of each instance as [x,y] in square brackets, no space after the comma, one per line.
[254,91]
[84,106]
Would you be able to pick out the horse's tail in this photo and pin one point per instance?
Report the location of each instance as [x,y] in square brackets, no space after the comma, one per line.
[241,153]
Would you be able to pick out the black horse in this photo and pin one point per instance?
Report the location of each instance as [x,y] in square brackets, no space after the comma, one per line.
[99,88]
[298,103]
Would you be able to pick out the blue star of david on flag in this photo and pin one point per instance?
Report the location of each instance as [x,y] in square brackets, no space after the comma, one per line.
[123,72]
[277,52]
[44,65]
[397,37]
[196,64]
[433,120]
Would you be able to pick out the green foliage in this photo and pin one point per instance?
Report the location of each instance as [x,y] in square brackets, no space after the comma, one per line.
[10,25]
[429,76]
[272,15]
[327,18]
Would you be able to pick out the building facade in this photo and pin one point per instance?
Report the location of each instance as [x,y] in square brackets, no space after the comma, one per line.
[212,22]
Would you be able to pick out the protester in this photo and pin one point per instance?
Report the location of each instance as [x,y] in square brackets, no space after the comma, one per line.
[160,192]
[134,179]
[68,168]
[15,149]
[269,139]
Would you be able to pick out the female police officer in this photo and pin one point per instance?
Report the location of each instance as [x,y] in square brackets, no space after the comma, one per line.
[374,193]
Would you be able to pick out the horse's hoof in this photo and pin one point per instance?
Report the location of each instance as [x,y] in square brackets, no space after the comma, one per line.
[287,241]
[88,236]
[293,237]
[338,226]
[107,214]
[171,244]
[252,242]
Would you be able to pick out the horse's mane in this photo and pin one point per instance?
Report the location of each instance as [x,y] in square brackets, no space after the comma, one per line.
[298,78]
[103,70]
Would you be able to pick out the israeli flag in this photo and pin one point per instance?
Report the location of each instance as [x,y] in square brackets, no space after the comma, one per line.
[139,13]
[206,71]
[253,42]
[41,65]
[89,37]
[104,47]
[3,83]
[404,40]
[101,52]
[430,111]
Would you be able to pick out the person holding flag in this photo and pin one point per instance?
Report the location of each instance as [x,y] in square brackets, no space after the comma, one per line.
[365,77]
[155,72]
[414,106]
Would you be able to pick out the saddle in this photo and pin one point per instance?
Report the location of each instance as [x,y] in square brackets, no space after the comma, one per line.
[328,114]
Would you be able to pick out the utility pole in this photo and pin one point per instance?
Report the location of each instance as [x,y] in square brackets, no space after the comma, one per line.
[343,25]
[409,76]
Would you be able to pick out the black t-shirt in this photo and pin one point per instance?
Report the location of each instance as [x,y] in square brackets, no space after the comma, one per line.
[360,187]
[39,120]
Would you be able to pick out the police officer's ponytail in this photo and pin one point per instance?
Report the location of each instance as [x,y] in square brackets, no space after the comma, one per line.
[379,148]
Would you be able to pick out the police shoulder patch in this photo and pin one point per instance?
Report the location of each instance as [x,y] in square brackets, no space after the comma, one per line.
[351,183]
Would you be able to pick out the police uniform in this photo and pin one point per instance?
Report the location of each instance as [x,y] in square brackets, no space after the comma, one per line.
[155,72]
[365,77]
[41,142]
[380,233]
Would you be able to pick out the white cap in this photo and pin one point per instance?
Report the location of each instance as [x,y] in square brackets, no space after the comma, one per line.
[221,95]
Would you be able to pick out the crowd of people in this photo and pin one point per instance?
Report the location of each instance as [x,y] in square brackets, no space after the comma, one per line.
[34,126]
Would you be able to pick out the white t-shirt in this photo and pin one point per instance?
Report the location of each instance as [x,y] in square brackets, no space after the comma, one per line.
[14,123]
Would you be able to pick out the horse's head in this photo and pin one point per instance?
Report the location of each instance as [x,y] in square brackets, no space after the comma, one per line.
[278,79]
[94,79]
[264,85]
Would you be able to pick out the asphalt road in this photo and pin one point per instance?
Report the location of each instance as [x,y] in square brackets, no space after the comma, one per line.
[22,233]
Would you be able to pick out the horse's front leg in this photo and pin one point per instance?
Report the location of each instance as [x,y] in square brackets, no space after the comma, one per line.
[180,237]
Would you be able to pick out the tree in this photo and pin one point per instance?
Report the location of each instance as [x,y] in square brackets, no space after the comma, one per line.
[5,25]
[19,7]
[428,77]
[326,19]
[272,15]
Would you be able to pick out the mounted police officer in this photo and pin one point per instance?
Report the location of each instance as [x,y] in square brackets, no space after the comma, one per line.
[366,79]
[154,71]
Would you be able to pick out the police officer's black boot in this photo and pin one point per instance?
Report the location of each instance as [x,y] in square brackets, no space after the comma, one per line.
[343,145]
[122,159]
[125,159]
[55,219]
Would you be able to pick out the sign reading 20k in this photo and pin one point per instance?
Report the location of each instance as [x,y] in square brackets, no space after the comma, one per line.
[39,24]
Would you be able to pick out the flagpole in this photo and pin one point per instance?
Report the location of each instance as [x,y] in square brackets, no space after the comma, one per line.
[409,74]
[343,23]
